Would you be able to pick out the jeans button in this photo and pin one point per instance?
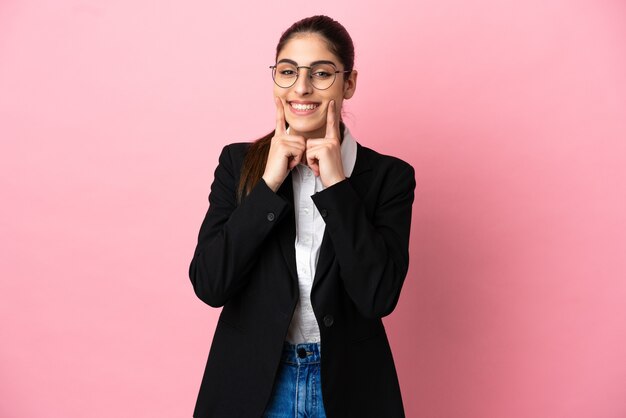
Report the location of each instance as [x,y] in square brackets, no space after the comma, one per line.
[301,352]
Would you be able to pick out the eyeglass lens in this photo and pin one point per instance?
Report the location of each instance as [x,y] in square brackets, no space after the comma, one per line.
[322,76]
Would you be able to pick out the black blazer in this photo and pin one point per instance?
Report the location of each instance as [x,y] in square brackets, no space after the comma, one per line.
[245,261]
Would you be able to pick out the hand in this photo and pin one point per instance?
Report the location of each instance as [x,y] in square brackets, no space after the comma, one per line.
[286,151]
[323,155]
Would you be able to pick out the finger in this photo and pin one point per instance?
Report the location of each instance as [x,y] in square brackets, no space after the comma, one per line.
[315,168]
[314,165]
[312,161]
[295,152]
[281,129]
[294,161]
[332,126]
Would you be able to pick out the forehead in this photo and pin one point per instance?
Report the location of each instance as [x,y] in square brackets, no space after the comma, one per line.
[306,48]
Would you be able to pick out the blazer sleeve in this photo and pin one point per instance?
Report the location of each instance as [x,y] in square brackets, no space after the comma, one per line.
[231,235]
[372,252]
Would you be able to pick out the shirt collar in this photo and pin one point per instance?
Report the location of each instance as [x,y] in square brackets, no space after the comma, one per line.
[348,152]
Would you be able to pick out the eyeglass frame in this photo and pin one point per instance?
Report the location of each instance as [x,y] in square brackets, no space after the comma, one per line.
[273,68]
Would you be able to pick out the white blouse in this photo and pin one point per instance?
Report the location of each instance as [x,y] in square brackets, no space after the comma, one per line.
[309,233]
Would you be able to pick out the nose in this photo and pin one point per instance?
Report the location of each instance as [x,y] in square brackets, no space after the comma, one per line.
[303,84]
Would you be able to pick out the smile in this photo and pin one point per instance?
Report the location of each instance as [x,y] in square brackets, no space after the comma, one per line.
[303,106]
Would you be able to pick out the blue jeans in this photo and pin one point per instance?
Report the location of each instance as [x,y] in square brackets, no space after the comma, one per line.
[297,390]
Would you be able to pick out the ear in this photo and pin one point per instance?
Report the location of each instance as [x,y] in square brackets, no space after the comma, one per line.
[349,86]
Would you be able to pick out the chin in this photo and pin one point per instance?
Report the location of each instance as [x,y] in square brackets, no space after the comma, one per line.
[303,128]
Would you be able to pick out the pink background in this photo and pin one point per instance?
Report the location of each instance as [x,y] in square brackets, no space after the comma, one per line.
[513,114]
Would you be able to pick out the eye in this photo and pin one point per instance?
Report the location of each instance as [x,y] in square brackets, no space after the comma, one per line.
[321,74]
[286,71]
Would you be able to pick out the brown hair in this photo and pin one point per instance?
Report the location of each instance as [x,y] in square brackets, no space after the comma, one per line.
[340,44]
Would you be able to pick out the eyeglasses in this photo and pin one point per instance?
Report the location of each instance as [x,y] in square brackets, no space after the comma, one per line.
[322,75]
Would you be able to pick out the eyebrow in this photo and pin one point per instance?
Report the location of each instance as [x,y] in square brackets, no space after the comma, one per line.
[312,64]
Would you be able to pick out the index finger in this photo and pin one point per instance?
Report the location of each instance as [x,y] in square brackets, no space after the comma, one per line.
[332,127]
[280,117]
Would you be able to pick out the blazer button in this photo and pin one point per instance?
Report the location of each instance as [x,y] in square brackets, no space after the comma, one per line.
[271,216]
[324,213]
[329,320]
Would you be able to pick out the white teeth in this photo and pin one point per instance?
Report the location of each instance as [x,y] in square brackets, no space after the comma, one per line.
[299,106]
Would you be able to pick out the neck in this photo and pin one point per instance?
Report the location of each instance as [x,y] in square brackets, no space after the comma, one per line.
[342,127]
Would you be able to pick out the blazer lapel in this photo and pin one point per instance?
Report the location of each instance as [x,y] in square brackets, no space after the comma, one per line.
[360,182]
[287,233]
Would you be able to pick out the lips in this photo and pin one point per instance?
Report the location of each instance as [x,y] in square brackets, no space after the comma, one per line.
[303,107]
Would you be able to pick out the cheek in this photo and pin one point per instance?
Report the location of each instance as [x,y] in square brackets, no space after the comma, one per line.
[278,92]
[338,98]
[337,94]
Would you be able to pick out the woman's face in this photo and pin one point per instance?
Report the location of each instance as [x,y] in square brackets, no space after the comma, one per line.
[305,106]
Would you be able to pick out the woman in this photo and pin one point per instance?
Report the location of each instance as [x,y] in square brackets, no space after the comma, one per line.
[305,245]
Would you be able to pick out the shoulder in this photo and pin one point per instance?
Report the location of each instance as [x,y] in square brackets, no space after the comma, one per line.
[236,150]
[232,155]
[385,177]
[381,162]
